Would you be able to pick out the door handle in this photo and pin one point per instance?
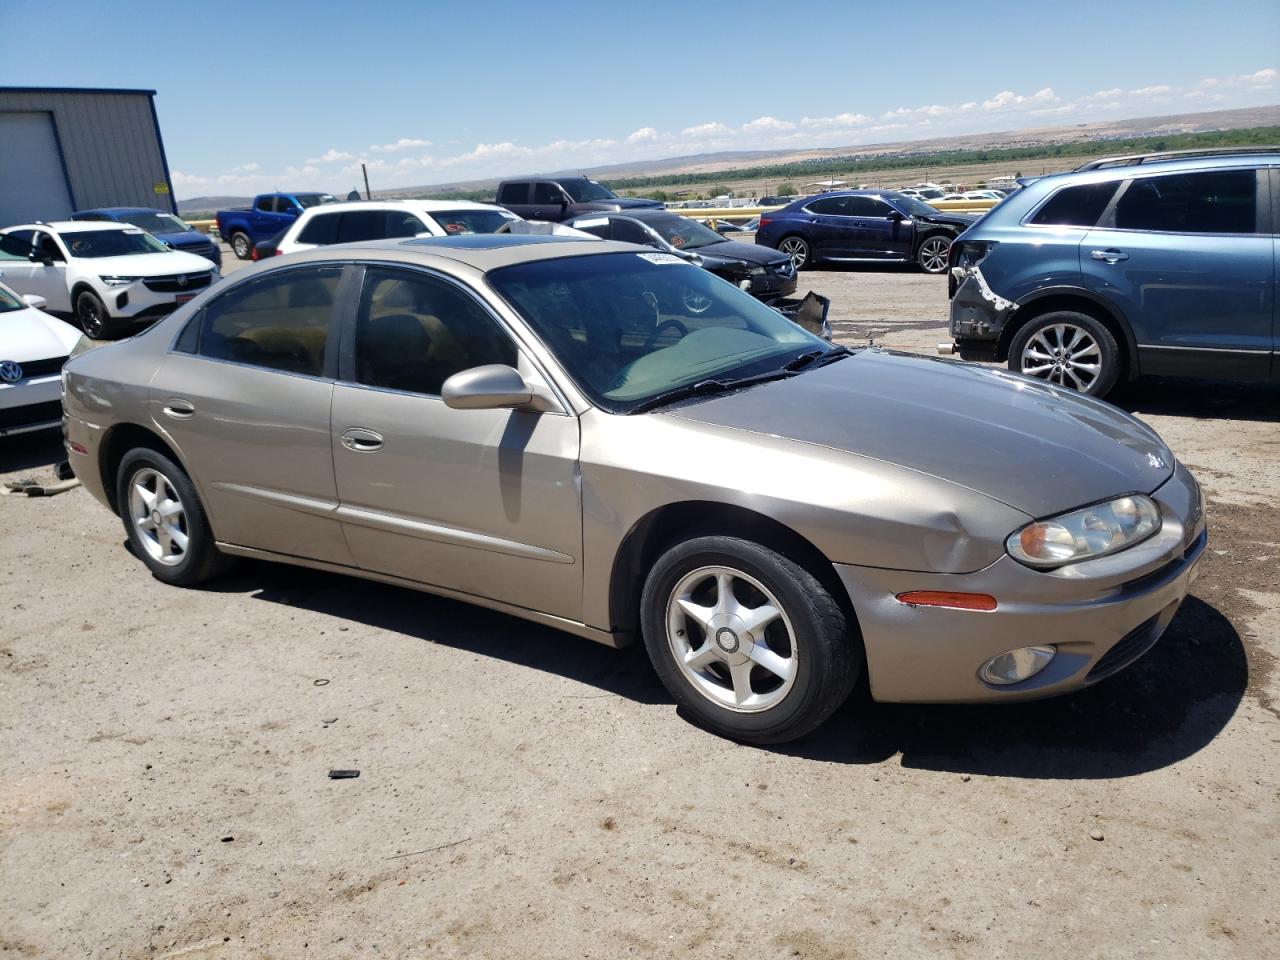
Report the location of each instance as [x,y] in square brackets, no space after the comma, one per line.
[361,440]
[179,409]
[1110,255]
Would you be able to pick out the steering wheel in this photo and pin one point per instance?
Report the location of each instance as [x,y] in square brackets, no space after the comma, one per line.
[657,332]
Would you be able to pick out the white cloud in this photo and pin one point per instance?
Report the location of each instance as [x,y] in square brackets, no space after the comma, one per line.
[643,135]
[768,125]
[404,143]
[712,129]
[839,121]
[332,155]
[181,179]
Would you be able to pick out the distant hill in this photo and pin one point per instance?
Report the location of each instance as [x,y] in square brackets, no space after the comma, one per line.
[209,204]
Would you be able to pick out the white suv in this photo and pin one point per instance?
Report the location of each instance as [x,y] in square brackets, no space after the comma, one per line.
[109,277]
[380,219]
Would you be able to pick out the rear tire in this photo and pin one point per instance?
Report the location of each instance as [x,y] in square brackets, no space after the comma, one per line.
[798,249]
[748,642]
[165,521]
[241,245]
[1070,349]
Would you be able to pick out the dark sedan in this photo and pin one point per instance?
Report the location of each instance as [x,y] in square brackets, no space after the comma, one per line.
[863,226]
[165,227]
[762,273]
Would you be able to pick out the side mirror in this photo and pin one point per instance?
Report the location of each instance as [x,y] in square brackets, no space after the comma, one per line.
[35,300]
[895,216]
[495,386]
[37,256]
[291,212]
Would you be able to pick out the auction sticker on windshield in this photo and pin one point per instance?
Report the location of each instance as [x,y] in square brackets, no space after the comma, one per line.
[659,257]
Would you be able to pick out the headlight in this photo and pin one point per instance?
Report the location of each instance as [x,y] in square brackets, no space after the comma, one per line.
[756,272]
[1084,534]
[118,281]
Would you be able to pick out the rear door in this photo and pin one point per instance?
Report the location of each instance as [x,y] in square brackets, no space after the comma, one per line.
[515,197]
[830,229]
[1190,261]
[484,502]
[245,398]
[263,222]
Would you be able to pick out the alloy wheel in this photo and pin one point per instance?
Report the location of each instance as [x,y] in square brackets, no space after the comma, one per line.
[731,639]
[933,254]
[159,517]
[240,243]
[1063,354]
[796,249]
[90,318]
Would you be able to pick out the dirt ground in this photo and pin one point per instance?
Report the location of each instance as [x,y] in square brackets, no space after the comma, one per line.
[526,793]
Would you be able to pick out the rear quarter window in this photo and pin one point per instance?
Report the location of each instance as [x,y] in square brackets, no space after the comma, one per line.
[321,229]
[1218,201]
[1078,206]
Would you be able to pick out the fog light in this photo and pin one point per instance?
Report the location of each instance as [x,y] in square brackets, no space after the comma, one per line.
[1014,666]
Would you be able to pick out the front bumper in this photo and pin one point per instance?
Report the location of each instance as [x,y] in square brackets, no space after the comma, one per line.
[29,405]
[137,302]
[1117,605]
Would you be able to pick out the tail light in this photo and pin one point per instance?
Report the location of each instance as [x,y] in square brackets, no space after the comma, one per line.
[765,221]
[278,253]
[254,255]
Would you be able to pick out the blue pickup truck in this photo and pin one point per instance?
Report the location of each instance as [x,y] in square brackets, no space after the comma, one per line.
[270,214]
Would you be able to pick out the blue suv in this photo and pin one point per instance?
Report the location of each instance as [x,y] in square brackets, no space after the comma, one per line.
[1162,264]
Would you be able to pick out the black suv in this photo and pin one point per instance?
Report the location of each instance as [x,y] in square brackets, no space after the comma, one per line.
[561,198]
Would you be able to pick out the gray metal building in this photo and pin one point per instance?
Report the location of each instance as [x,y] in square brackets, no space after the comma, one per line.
[65,149]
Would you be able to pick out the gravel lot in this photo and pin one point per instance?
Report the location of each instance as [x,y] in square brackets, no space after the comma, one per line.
[527,793]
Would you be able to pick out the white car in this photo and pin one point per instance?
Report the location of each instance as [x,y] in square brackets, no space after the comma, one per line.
[379,219]
[33,347]
[108,277]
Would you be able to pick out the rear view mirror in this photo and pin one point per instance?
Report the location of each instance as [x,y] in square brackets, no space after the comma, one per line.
[495,386]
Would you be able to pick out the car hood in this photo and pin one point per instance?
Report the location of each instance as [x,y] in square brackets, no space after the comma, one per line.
[180,241]
[731,250]
[31,334]
[146,264]
[960,220]
[621,203]
[1036,448]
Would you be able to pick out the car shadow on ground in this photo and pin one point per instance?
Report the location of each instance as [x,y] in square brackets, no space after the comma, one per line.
[29,451]
[1200,399]
[864,266]
[1164,708]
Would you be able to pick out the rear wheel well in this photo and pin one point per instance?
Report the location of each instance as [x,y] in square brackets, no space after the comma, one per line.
[118,441]
[1039,308]
[663,528]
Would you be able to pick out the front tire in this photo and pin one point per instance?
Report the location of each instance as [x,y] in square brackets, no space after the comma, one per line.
[165,521]
[241,245]
[931,255]
[1069,349]
[92,318]
[750,643]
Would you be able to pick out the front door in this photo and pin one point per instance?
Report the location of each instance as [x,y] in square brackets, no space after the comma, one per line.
[882,233]
[245,398]
[1188,259]
[485,502]
[23,272]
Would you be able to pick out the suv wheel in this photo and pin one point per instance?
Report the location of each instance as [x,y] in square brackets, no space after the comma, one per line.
[932,254]
[91,316]
[797,248]
[241,246]
[1070,349]
[746,641]
[165,521]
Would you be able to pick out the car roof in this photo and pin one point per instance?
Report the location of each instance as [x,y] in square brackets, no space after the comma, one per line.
[1161,165]
[120,211]
[73,226]
[482,251]
[410,206]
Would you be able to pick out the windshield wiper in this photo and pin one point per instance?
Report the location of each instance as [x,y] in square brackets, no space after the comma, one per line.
[810,358]
[703,387]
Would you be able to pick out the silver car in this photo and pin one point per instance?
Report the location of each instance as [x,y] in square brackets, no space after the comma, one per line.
[542,426]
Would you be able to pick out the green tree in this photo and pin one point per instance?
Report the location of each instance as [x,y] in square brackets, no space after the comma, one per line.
[786,189]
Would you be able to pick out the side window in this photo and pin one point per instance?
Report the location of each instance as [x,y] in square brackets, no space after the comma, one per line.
[401,224]
[285,205]
[414,332]
[1076,206]
[629,231]
[830,206]
[867,207]
[321,229]
[46,245]
[280,322]
[547,193]
[362,225]
[16,245]
[514,193]
[1222,201]
[266,204]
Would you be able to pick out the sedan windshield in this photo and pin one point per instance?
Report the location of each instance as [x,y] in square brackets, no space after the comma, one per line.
[157,222]
[628,327]
[112,243]
[455,222]
[9,302]
[910,205]
[683,233]
[584,191]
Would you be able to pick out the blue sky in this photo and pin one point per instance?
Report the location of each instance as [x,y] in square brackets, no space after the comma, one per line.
[252,96]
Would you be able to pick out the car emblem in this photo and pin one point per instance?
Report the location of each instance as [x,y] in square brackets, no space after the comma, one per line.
[10,372]
[727,640]
[182,281]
